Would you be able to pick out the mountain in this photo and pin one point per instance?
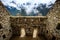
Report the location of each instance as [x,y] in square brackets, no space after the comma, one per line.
[28,7]
[41,8]
[12,10]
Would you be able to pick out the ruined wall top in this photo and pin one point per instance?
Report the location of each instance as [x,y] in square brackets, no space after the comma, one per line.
[55,9]
[3,10]
[57,0]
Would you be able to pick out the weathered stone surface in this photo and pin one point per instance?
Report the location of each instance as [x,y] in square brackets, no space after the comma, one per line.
[5,30]
[29,24]
[54,20]
[48,27]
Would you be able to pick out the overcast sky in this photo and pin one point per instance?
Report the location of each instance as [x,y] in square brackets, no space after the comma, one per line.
[32,3]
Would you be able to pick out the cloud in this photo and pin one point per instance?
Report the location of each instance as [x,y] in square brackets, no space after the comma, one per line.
[29,8]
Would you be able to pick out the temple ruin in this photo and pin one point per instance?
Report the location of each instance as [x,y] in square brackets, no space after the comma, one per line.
[30,27]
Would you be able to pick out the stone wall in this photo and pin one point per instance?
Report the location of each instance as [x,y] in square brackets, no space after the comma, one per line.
[48,26]
[54,20]
[5,30]
[29,23]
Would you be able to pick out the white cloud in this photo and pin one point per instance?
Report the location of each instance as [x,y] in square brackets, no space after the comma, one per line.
[29,8]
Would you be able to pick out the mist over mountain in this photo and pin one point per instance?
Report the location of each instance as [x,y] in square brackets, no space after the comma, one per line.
[28,8]
[41,8]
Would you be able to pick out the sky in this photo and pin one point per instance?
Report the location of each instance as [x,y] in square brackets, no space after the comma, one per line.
[27,4]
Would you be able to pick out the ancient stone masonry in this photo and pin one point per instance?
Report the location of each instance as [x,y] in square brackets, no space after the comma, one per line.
[4,23]
[29,24]
[37,27]
[54,20]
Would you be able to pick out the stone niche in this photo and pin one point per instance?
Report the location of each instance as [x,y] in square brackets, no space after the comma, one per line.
[58,26]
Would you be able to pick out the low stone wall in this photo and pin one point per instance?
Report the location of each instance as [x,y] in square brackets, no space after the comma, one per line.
[29,24]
